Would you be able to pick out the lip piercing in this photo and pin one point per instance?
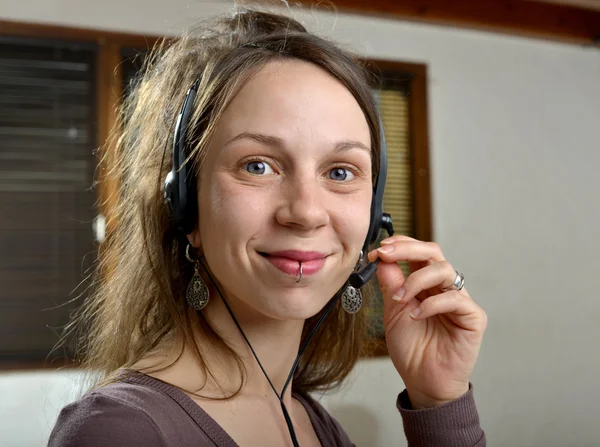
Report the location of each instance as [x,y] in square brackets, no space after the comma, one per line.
[299,274]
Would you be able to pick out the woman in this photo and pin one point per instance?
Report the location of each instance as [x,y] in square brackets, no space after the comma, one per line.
[213,285]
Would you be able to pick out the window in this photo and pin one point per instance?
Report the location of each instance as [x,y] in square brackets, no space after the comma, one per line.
[47,115]
[58,91]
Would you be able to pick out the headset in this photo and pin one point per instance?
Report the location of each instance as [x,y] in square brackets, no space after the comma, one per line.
[181,197]
[180,184]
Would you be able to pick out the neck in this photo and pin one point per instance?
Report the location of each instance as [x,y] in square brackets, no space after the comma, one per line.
[275,342]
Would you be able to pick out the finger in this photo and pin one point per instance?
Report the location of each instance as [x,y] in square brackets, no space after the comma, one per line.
[406,250]
[390,278]
[440,274]
[459,308]
[398,238]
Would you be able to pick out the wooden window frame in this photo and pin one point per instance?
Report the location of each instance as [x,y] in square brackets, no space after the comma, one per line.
[554,20]
[419,149]
[109,87]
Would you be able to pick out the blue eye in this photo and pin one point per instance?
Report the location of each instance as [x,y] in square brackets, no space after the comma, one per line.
[340,174]
[258,168]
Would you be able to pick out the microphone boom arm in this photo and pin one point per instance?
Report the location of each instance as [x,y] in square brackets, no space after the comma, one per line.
[360,278]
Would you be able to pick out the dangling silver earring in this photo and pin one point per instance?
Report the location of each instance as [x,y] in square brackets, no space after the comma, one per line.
[352,298]
[197,293]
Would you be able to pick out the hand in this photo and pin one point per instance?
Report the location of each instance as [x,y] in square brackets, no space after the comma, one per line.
[433,335]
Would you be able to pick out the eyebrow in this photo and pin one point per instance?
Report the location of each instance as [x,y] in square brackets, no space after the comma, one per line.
[278,143]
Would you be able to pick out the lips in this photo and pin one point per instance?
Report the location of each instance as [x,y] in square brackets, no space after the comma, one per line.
[289,261]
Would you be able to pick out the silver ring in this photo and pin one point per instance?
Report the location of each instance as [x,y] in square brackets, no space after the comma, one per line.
[459,282]
[300,274]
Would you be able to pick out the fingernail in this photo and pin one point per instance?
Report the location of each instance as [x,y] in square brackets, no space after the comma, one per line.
[415,313]
[399,295]
[386,242]
[386,249]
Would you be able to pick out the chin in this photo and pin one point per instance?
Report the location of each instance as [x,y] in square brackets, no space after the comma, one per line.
[293,307]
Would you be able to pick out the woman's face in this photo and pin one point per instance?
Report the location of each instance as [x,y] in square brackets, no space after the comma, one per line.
[287,179]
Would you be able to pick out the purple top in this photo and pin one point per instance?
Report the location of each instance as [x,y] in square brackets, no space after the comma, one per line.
[142,411]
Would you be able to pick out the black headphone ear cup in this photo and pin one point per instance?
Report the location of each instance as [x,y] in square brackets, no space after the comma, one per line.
[168,193]
[181,198]
[180,184]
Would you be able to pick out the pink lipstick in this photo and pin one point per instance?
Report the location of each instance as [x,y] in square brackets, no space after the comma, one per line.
[289,261]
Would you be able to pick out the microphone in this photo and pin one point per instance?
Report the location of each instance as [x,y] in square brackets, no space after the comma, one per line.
[360,278]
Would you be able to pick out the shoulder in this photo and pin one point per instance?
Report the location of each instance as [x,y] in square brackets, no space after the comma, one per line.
[115,415]
[329,431]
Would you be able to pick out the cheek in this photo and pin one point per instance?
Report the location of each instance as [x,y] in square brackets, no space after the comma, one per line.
[229,209]
[353,221]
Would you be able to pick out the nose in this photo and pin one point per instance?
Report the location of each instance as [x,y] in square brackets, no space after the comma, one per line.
[304,205]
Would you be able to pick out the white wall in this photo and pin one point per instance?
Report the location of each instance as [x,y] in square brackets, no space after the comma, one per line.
[515,132]
[30,402]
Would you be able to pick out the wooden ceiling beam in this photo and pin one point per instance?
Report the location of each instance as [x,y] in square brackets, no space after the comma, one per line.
[518,17]
[59,32]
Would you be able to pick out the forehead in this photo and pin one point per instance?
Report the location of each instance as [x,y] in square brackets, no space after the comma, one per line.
[295,99]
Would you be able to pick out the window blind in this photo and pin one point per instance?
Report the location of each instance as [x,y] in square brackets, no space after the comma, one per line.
[393,104]
[398,197]
[47,137]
